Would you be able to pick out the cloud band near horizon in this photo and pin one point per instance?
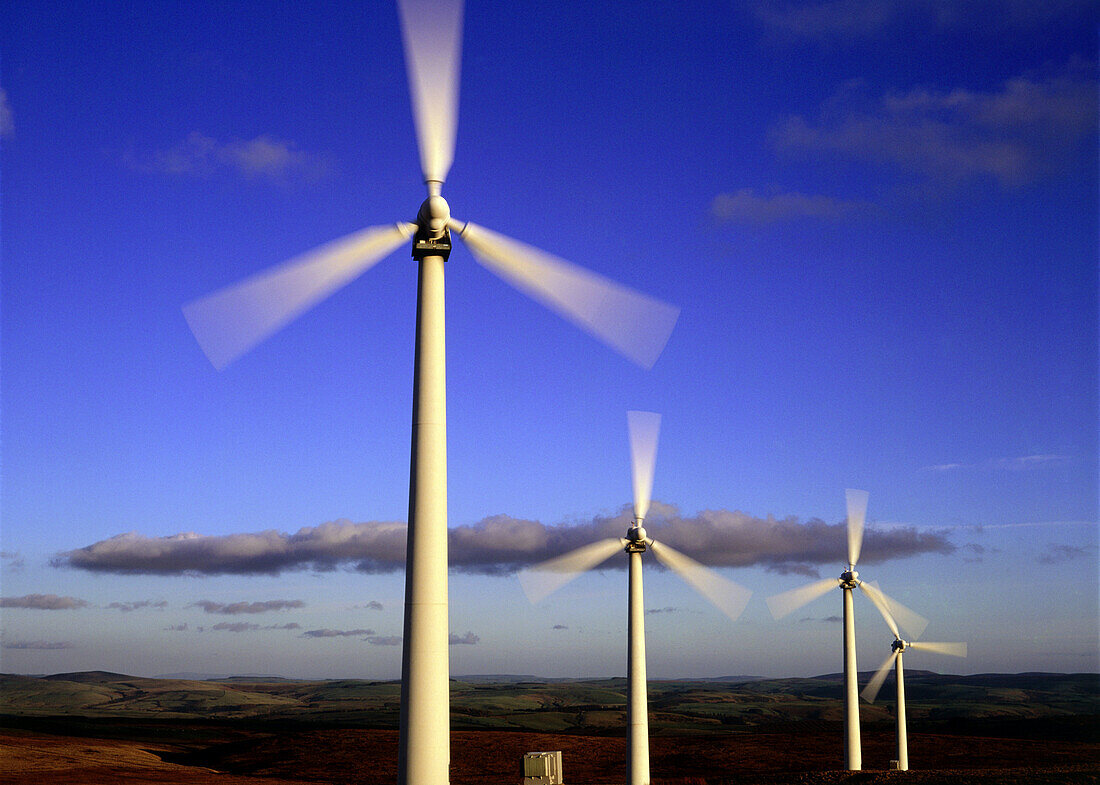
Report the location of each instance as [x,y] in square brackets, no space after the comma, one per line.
[43,602]
[500,545]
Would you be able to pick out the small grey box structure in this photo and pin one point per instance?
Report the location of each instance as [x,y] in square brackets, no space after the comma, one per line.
[542,768]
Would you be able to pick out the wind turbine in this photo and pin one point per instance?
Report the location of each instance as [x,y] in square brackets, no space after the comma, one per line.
[231,321]
[894,658]
[782,604]
[550,575]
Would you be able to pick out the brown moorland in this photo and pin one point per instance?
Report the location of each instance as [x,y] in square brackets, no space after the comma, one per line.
[89,729]
[369,757]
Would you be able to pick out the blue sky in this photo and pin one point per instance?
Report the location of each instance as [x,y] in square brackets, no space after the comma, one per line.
[879,221]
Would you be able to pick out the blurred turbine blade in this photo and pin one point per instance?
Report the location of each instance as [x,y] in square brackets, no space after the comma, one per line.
[643,428]
[879,599]
[870,692]
[549,576]
[782,604]
[634,324]
[910,620]
[857,512]
[231,321]
[432,33]
[726,595]
[950,649]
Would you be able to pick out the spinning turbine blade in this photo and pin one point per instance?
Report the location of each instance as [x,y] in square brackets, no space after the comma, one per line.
[782,604]
[643,428]
[634,324]
[890,608]
[432,33]
[879,599]
[951,649]
[857,511]
[231,321]
[729,597]
[870,692]
[549,576]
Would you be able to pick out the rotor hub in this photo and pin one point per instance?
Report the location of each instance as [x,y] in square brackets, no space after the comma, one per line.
[849,579]
[898,645]
[636,539]
[433,238]
[433,216]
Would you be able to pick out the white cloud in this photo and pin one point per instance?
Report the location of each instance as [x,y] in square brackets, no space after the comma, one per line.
[244,626]
[235,626]
[1056,554]
[235,608]
[1021,463]
[498,545]
[264,157]
[843,22]
[38,645]
[268,552]
[827,19]
[7,120]
[469,639]
[1029,525]
[43,602]
[327,633]
[384,640]
[746,207]
[1030,128]
[127,607]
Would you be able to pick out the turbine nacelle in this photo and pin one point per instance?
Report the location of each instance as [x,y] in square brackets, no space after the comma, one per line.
[636,539]
[849,579]
[434,213]
[898,645]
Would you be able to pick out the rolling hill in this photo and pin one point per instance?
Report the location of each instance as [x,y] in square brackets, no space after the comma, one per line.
[594,706]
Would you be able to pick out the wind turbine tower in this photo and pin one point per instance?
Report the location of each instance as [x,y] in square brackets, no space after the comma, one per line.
[231,321]
[782,604]
[870,692]
[547,577]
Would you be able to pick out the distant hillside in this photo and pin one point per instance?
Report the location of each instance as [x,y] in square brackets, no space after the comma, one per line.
[509,678]
[91,677]
[189,676]
[588,707]
[504,678]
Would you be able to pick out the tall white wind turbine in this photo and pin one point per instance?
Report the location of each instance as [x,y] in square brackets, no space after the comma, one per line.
[870,692]
[230,322]
[550,575]
[782,604]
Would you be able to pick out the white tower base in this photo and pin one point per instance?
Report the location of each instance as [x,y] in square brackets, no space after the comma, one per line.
[853,756]
[903,742]
[637,705]
[424,748]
